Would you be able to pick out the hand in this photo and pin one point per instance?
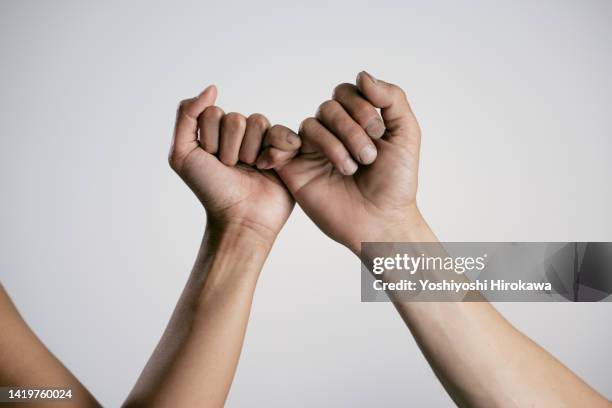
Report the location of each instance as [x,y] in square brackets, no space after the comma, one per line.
[195,361]
[356,175]
[206,148]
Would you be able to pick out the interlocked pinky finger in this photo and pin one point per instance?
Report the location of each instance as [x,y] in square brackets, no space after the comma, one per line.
[274,158]
[282,138]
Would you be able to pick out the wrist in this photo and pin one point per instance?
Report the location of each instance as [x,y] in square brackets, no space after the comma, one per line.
[228,235]
[229,262]
[408,225]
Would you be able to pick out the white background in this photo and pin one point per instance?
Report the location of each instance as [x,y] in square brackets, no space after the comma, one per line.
[98,235]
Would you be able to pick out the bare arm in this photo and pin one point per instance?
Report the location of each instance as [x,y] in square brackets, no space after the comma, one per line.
[26,362]
[481,359]
[195,360]
[357,179]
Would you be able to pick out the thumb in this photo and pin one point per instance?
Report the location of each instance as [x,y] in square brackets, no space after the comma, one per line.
[185,136]
[395,109]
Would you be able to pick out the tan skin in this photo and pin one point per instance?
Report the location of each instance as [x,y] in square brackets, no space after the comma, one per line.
[367,167]
[196,358]
[481,360]
[374,199]
[26,362]
[208,165]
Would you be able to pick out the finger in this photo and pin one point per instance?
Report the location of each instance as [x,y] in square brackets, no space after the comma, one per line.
[274,158]
[256,127]
[397,115]
[280,144]
[316,138]
[282,138]
[338,121]
[360,109]
[233,126]
[209,123]
[185,131]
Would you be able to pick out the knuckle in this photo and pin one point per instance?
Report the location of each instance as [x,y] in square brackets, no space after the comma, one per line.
[213,112]
[398,92]
[328,107]
[183,105]
[307,125]
[341,89]
[343,123]
[234,119]
[259,121]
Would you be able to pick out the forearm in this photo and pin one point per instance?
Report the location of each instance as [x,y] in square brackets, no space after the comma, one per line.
[195,361]
[26,362]
[484,361]
[480,358]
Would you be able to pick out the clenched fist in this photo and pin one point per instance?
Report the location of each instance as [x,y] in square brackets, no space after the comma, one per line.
[213,153]
[356,174]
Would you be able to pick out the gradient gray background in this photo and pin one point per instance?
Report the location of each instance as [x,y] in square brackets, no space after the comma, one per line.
[98,235]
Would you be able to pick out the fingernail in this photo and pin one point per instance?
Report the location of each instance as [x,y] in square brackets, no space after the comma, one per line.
[367,154]
[376,128]
[372,78]
[293,139]
[349,167]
